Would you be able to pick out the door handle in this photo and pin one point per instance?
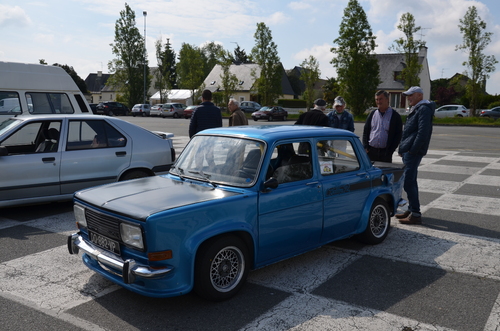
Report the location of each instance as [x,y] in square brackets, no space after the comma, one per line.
[123,153]
[312,183]
[48,159]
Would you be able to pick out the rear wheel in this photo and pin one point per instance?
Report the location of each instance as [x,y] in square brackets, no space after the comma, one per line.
[176,115]
[255,119]
[221,268]
[270,118]
[284,118]
[378,223]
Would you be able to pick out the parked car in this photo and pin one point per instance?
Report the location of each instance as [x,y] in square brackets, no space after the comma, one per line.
[175,110]
[188,112]
[111,108]
[48,157]
[451,111]
[270,113]
[29,89]
[141,110]
[249,106]
[493,113]
[93,107]
[156,110]
[237,199]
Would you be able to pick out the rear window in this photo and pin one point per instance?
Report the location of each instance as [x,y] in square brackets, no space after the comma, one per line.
[48,103]
[9,103]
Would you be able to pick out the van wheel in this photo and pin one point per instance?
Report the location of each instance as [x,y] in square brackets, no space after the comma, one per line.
[221,268]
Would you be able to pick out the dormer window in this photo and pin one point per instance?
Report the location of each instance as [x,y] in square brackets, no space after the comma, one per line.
[212,82]
[241,82]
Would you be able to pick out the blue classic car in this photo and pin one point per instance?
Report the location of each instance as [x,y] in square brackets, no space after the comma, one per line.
[237,199]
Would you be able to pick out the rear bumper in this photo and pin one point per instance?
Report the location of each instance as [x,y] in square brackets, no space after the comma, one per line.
[129,268]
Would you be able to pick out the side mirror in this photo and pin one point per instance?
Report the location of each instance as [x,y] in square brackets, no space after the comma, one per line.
[271,183]
[3,151]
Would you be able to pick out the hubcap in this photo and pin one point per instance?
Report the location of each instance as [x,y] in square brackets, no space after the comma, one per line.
[226,269]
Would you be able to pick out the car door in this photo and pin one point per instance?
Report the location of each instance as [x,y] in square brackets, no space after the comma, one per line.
[95,153]
[25,172]
[290,216]
[346,187]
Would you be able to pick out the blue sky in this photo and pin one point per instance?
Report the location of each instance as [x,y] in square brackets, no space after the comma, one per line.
[79,32]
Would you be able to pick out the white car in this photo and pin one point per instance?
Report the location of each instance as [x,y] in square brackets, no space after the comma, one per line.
[141,110]
[451,111]
[48,157]
[156,110]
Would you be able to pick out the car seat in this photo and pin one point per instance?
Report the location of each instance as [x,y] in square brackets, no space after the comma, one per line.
[51,141]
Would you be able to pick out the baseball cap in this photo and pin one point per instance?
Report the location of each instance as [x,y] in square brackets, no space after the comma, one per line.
[339,101]
[320,102]
[413,89]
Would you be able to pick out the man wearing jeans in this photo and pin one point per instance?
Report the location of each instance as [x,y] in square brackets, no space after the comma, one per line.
[414,145]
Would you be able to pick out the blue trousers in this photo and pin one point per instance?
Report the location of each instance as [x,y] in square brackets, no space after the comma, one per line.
[410,186]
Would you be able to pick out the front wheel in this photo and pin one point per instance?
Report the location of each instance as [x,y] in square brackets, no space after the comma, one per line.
[378,225]
[221,268]
[270,118]
[284,118]
[255,119]
[134,174]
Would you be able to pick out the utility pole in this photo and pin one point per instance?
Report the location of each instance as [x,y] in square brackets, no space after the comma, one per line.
[145,13]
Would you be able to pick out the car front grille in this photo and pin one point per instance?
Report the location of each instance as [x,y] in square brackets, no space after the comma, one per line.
[103,224]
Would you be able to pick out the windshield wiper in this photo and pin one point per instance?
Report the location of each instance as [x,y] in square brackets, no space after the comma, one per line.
[205,176]
[180,172]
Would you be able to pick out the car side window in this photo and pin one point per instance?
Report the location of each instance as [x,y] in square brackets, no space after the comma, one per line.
[291,162]
[34,137]
[336,156]
[91,134]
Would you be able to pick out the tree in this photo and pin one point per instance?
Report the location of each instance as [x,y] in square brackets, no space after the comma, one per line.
[130,67]
[166,75]
[213,54]
[265,54]
[410,48]
[190,68]
[240,56]
[330,90]
[229,81]
[357,67]
[310,75]
[479,65]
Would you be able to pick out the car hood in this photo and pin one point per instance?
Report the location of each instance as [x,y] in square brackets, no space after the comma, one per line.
[140,198]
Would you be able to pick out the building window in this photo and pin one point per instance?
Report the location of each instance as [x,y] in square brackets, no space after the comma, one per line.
[395,100]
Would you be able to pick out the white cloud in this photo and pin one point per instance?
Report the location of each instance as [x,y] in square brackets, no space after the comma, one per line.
[13,17]
[323,54]
[299,5]
[277,18]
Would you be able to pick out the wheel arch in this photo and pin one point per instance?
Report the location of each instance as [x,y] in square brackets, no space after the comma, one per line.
[124,174]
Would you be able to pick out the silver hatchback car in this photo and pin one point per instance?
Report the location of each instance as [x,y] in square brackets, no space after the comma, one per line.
[47,158]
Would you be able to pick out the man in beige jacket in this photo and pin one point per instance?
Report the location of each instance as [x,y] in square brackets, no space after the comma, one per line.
[237,115]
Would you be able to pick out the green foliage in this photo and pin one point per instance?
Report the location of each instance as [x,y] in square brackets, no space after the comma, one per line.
[478,65]
[410,47]
[292,103]
[331,90]
[190,68]
[357,67]
[240,56]
[130,67]
[310,75]
[229,81]
[494,104]
[166,75]
[265,54]
[212,54]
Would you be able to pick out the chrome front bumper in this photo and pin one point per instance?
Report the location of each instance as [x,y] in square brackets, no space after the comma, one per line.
[129,268]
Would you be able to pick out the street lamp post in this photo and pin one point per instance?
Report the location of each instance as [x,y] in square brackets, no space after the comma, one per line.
[145,13]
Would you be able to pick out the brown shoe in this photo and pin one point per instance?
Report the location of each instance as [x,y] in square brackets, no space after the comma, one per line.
[403,215]
[411,220]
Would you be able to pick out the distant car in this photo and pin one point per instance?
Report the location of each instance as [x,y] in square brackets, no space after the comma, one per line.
[48,157]
[188,112]
[156,110]
[175,110]
[141,110]
[270,114]
[249,106]
[451,111]
[93,107]
[263,195]
[492,113]
[111,108]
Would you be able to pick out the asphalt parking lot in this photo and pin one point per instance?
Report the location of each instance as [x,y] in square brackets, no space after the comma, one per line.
[443,275]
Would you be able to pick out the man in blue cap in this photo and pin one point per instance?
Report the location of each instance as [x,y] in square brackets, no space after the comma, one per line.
[414,145]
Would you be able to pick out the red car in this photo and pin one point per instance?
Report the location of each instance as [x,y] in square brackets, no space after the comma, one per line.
[189,111]
[270,113]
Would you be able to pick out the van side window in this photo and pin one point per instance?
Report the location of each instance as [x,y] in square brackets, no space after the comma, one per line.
[9,103]
[48,103]
[82,104]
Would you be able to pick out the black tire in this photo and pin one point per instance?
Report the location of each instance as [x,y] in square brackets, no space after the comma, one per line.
[176,115]
[134,174]
[270,118]
[111,113]
[255,119]
[458,115]
[221,268]
[379,223]
[284,118]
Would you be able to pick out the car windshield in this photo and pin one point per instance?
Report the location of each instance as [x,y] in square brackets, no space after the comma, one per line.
[7,124]
[265,108]
[221,160]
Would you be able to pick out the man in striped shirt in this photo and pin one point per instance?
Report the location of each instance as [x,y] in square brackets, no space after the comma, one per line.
[382,131]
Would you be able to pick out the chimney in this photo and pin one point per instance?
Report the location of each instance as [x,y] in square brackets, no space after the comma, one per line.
[422,52]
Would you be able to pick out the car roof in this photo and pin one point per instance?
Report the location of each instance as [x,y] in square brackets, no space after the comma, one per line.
[278,132]
[60,116]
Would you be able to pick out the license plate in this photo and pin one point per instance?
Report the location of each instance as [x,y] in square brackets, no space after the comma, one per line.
[104,242]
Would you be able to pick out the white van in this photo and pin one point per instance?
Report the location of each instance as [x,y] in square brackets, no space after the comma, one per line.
[27,89]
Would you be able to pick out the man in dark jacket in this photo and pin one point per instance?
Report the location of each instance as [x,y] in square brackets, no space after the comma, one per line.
[314,116]
[340,118]
[206,116]
[382,130]
[414,145]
